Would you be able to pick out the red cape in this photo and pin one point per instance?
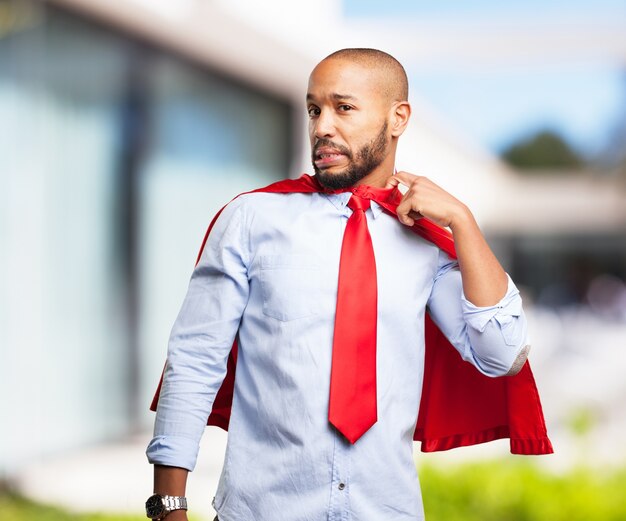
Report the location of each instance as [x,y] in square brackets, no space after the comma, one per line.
[459,406]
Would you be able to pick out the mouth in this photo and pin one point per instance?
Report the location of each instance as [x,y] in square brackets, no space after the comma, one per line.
[326,157]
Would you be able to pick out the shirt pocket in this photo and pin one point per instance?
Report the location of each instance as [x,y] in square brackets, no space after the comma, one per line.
[290,286]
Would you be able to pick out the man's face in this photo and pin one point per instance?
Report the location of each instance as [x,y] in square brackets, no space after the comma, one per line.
[348,125]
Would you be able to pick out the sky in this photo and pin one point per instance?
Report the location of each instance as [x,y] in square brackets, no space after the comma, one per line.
[582,101]
[480,8]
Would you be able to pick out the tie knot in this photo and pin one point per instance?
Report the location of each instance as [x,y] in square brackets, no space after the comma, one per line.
[358,203]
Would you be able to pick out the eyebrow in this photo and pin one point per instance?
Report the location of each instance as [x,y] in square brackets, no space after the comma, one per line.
[335,96]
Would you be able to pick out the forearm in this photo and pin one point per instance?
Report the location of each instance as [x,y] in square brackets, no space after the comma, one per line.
[171,481]
[496,324]
[484,279]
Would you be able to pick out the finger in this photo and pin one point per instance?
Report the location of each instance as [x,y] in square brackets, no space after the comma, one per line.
[415,215]
[405,219]
[405,178]
[392,182]
[403,212]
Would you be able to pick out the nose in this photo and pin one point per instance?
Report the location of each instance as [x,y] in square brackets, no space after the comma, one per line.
[323,125]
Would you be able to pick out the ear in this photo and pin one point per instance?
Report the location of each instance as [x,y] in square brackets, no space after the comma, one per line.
[400,114]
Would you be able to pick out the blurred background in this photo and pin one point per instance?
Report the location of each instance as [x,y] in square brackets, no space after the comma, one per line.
[124,126]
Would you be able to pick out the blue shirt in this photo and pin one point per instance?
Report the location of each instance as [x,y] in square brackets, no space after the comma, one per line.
[269,274]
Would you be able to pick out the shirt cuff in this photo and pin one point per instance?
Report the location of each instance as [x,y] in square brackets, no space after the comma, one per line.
[173,451]
[504,312]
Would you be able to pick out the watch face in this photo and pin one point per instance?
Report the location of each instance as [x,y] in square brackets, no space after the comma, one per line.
[154,506]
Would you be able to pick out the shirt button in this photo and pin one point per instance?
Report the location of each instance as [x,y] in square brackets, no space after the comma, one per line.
[341,486]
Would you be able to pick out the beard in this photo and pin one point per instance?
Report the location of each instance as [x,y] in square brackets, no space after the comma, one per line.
[367,159]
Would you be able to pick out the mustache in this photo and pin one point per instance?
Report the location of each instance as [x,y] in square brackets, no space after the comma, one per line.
[324,142]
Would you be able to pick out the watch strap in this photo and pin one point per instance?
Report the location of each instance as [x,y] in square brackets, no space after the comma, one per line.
[168,505]
[174,503]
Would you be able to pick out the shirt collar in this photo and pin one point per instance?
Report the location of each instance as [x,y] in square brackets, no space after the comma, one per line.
[340,201]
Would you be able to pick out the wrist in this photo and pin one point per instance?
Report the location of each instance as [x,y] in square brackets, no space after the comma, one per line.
[176,515]
[159,506]
[462,218]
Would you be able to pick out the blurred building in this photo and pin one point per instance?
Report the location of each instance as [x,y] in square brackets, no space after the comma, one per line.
[117,149]
[124,126]
[559,231]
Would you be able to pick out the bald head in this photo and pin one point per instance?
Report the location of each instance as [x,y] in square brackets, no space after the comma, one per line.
[392,74]
[357,106]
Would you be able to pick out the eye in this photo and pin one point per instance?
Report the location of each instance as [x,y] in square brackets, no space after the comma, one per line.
[344,108]
[313,111]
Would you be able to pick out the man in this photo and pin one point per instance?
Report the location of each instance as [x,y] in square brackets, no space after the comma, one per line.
[303,443]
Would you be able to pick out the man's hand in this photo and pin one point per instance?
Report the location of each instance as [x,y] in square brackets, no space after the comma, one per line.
[426,199]
[484,280]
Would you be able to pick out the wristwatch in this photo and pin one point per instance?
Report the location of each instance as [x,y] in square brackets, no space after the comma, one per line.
[159,506]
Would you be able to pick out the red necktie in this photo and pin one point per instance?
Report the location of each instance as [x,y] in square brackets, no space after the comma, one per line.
[352,408]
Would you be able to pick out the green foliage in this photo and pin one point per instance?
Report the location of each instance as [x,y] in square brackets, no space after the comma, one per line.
[511,490]
[519,491]
[14,508]
[544,150]
[581,421]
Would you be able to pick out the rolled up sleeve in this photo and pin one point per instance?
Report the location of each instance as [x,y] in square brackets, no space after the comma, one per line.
[173,451]
[492,338]
[497,334]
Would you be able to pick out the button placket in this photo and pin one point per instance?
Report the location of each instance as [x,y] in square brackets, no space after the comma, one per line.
[339,500]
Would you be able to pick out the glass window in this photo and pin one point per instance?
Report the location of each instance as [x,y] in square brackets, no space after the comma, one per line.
[210,139]
[114,157]
[62,337]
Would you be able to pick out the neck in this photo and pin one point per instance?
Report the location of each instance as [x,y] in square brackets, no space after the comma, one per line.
[378,177]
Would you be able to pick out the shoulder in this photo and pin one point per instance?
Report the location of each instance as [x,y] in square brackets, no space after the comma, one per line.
[257,200]
[249,207]
[267,204]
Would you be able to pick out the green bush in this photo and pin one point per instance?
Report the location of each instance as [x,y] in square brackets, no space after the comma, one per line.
[510,490]
[15,508]
[520,491]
